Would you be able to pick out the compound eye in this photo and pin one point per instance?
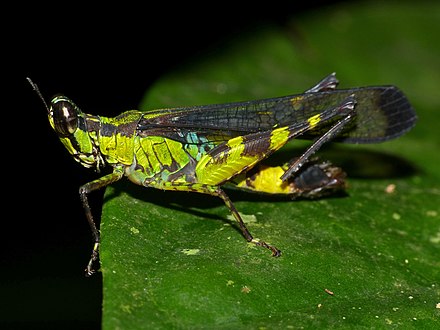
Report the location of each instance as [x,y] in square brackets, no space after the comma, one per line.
[65,117]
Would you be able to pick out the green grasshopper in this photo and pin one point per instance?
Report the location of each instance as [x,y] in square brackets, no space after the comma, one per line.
[201,148]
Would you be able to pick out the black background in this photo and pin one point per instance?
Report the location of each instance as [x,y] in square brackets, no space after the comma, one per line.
[104,58]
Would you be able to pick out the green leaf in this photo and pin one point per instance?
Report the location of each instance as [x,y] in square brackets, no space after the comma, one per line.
[369,259]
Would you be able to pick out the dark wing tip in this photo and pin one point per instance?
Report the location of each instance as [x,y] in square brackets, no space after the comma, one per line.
[401,115]
[384,113]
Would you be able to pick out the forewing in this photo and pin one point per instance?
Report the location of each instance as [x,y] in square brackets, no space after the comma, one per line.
[382,113]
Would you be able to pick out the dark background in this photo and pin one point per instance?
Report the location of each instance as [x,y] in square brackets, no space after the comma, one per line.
[104,58]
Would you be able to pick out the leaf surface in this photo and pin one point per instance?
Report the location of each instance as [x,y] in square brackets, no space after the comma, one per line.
[368,259]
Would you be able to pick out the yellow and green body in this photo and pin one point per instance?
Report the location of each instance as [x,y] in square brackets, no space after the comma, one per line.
[201,149]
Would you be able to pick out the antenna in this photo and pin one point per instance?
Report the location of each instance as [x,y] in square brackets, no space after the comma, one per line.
[37,90]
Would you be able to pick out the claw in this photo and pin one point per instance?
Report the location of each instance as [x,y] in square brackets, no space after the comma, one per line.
[275,251]
[95,253]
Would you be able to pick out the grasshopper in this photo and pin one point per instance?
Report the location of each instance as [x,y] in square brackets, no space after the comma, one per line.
[202,148]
